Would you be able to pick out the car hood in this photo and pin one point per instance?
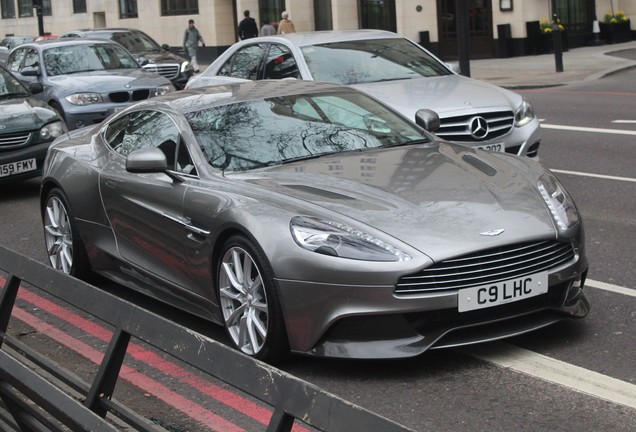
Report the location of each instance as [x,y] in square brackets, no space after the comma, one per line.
[162,57]
[443,200]
[449,95]
[104,82]
[24,114]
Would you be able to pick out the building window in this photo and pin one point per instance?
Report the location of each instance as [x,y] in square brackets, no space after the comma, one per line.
[128,9]
[377,14]
[79,6]
[8,8]
[322,14]
[25,8]
[271,10]
[179,7]
[46,8]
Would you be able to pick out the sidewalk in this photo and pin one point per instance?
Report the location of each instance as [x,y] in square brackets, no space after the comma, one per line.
[579,64]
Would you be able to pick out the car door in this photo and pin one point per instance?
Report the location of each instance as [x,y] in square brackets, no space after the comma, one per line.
[244,63]
[145,210]
[22,58]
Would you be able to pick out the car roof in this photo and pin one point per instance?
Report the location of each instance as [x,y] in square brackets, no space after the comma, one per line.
[103,30]
[48,43]
[207,97]
[323,37]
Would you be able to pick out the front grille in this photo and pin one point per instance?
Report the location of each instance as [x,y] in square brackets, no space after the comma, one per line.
[458,128]
[123,97]
[169,71]
[14,140]
[489,266]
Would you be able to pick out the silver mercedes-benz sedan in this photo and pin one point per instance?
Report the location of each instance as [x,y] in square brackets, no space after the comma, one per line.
[311,218]
[395,70]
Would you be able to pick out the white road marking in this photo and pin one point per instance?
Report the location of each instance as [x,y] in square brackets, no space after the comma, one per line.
[588,129]
[601,176]
[555,371]
[624,121]
[609,287]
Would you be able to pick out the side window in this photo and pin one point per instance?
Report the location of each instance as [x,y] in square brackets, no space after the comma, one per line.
[280,63]
[31,58]
[244,63]
[15,60]
[144,129]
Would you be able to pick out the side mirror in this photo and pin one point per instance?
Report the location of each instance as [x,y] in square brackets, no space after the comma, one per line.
[30,71]
[427,119]
[150,160]
[36,87]
[146,160]
[165,47]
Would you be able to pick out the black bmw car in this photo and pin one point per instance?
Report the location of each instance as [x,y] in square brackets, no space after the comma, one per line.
[148,53]
[27,128]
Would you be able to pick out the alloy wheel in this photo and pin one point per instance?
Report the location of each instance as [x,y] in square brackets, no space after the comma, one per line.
[58,235]
[243,301]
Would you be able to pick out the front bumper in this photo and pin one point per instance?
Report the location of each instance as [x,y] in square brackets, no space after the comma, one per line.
[371,322]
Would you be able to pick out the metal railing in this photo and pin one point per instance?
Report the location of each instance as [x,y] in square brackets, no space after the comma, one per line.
[40,395]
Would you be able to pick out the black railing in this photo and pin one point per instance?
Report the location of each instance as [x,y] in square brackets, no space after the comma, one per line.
[40,395]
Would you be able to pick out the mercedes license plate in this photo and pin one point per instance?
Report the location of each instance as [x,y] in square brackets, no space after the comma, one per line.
[498,147]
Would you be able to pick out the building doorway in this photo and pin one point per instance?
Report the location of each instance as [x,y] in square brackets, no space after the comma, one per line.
[480,32]
[377,14]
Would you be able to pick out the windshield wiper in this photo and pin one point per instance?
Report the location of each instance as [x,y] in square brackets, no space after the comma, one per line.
[82,71]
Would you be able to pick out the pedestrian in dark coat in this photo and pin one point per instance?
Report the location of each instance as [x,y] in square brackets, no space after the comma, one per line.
[247,27]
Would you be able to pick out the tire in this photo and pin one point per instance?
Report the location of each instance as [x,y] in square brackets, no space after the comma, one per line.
[64,246]
[249,301]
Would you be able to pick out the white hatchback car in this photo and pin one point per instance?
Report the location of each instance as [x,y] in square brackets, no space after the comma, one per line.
[395,70]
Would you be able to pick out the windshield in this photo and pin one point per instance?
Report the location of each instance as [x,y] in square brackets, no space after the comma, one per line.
[135,42]
[272,131]
[69,59]
[367,61]
[10,86]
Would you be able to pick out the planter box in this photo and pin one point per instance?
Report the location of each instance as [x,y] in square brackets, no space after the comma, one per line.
[547,42]
[616,33]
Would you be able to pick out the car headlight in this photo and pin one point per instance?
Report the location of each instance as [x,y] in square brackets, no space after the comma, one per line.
[339,240]
[52,130]
[84,98]
[162,90]
[524,114]
[186,66]
[559,202]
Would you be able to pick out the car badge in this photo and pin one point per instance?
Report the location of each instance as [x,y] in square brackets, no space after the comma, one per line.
[478,127]
[2,126]
[492,233]
[127,86]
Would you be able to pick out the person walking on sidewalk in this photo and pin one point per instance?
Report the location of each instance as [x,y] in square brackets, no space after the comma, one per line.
[191,39]
[267,29]
[247,28]
[285,25]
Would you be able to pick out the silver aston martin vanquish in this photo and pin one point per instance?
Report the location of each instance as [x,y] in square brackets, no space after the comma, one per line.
[311,218]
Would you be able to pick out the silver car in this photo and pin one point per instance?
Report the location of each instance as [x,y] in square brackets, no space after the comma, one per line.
[311,218]
[85,81]
[395,70]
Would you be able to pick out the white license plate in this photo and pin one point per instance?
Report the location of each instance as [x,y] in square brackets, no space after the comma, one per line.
[499,147]
[14,168]
[502,292]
